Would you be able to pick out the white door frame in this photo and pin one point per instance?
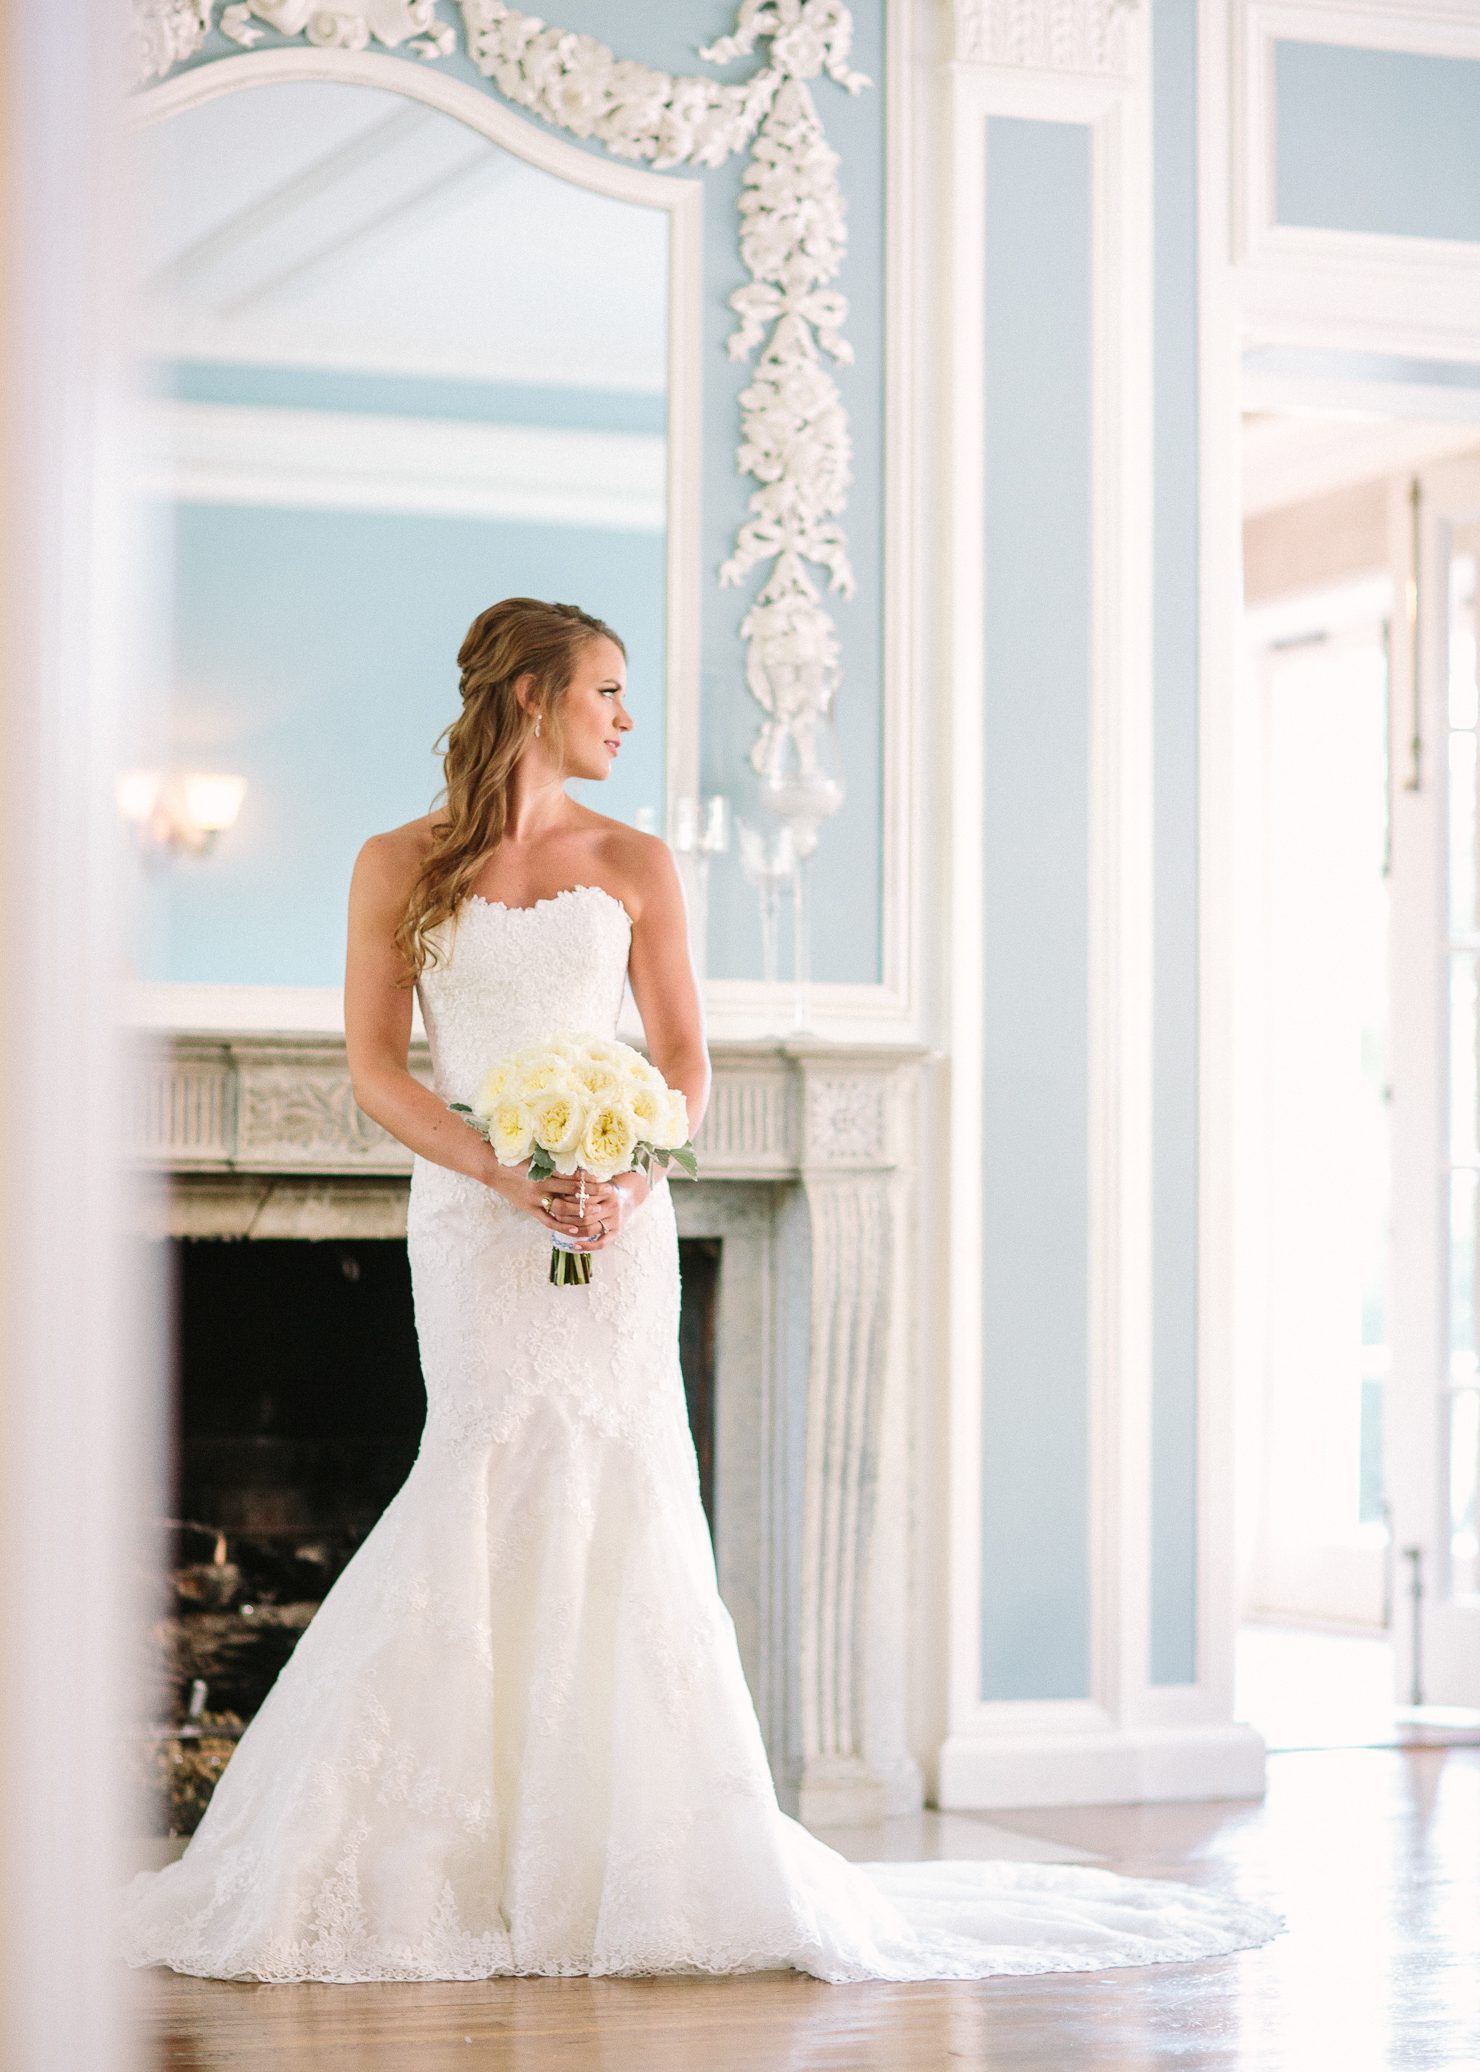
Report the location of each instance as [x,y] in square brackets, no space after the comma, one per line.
[1447,1629]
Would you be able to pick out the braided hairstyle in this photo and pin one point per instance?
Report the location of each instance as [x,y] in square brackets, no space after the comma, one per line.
[518,636]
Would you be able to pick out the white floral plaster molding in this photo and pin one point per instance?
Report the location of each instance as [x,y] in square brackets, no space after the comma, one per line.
[794,431]
[1049,35]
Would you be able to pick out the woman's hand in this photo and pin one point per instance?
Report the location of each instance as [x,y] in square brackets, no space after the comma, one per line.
[609,1203]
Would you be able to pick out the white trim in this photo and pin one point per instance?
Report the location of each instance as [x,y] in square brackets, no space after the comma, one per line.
[533,142]
[735,1010]
[1329,286]
[1221,1356]
[967,680]
[905,573]
[1121,915]
[1055,1765]
[683,200]
[349,460]
[177,1007]
[1429,27]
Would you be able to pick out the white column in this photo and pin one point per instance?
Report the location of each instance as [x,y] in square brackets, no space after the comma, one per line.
[70,1412]
[1125,1739]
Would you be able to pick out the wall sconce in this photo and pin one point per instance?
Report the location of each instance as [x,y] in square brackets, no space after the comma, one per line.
[179,812]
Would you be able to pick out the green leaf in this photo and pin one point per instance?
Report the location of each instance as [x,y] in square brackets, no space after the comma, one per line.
[541,1165]
[683,1154]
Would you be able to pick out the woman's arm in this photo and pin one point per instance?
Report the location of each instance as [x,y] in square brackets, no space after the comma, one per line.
[661,972]
[663,982]
[377,1021]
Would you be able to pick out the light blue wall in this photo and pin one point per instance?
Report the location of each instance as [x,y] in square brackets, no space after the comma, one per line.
[1175,545]
[316,655]
[1035,1572]
[847,869]
[1377,140]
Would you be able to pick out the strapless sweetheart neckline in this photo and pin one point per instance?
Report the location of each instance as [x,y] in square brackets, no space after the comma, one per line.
[551,899]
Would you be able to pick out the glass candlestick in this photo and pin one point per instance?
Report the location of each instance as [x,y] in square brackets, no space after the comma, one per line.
[700,832]
[768,864]
[802,784]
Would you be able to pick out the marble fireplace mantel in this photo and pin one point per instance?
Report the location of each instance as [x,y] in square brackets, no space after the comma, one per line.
[806,1156]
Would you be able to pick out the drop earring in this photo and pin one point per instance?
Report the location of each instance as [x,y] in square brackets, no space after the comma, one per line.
[537,729]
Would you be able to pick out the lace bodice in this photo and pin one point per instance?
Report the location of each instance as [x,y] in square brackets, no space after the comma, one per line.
[515,975]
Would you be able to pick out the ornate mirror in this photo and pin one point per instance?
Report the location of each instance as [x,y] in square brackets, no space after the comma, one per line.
[404,353]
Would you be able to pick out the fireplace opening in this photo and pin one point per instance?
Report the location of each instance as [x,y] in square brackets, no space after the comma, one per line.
[298,1411]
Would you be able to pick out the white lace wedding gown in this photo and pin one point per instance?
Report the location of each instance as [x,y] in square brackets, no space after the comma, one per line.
[516,1736]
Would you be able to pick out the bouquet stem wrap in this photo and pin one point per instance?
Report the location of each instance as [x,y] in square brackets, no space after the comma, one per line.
[570,1267]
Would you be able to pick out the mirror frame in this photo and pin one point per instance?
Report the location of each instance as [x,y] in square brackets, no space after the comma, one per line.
[184,1005]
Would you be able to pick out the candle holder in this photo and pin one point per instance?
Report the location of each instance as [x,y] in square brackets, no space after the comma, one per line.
[802,784]
[768,863]
[699,831]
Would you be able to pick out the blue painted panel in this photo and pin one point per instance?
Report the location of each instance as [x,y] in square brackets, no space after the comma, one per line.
[1035,1567]
[1174,1405]
[1377,140]
[316,655]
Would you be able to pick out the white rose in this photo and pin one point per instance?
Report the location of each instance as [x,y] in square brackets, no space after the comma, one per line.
[599,1079]
[495,1087]
[674,1121]
[541,1072]
[608,1139]
[559,1124]
[647,1108]
[511,1131]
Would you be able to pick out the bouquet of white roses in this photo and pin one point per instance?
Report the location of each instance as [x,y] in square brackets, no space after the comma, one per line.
[581,1102]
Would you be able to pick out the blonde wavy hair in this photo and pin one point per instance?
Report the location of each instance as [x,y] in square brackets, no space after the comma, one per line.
[518,636]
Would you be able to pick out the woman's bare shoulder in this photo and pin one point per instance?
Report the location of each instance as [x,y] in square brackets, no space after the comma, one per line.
[640,866]
[388,864]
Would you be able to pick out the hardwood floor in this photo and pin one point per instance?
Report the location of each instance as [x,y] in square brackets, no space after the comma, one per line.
[1373,1854]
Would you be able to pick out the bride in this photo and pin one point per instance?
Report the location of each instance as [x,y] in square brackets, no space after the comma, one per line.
[516,1736]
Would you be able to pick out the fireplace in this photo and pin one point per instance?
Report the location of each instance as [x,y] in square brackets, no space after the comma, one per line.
[305,1433]
[300,1398]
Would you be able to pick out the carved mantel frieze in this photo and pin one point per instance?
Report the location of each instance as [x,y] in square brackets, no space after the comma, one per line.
[265,1104]
[1075,36]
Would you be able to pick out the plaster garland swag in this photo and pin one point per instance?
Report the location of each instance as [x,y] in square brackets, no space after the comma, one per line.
[794,431]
